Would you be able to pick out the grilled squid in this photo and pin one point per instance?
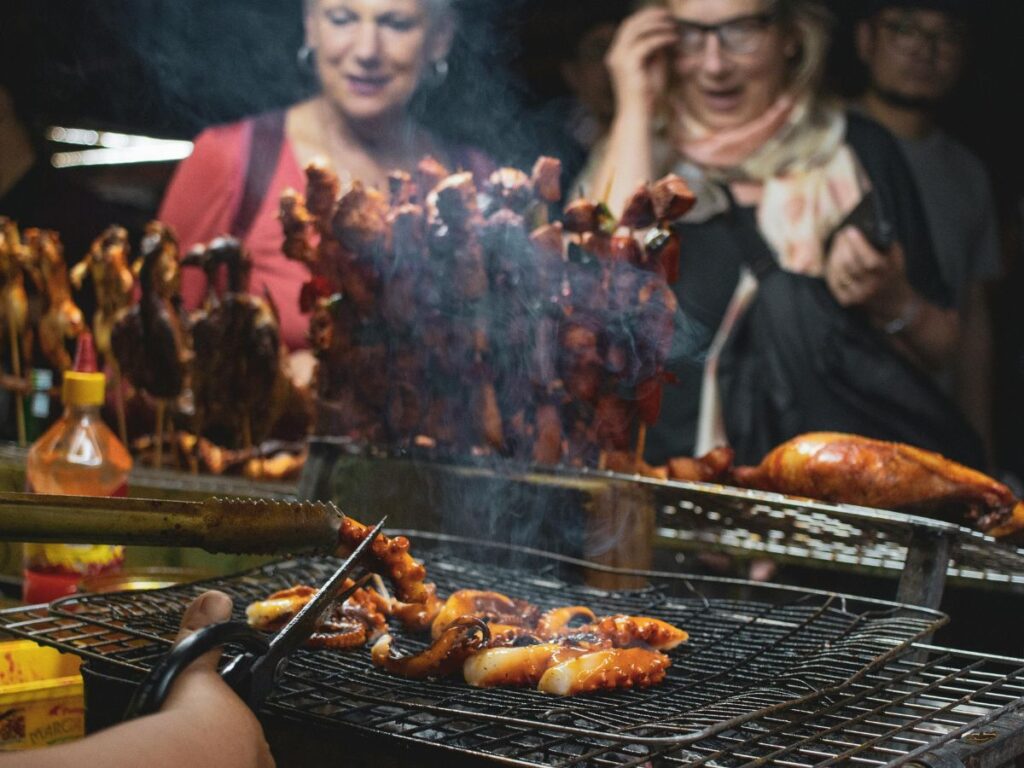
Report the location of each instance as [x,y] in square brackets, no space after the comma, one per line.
[605,670]
[522,666]
[361,618]
[492,607]
[626,631]
[445,657]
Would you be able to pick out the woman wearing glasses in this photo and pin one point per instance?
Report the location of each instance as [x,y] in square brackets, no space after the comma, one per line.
[724,92]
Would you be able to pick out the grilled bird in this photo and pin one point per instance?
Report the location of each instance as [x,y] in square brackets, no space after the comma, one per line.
[850,469]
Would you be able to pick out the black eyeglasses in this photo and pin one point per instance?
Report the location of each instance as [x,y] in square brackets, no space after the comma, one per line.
[908,37]
[741,35]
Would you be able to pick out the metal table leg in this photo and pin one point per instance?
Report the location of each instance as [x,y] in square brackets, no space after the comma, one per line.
[924,571]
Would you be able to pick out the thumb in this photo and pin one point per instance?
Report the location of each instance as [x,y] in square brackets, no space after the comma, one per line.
[209,608]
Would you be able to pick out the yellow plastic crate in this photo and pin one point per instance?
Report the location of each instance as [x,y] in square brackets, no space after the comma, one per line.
[41,699]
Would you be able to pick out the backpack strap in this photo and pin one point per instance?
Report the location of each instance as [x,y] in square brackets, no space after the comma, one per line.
[264,151]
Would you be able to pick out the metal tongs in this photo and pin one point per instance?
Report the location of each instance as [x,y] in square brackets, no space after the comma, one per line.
[253,673]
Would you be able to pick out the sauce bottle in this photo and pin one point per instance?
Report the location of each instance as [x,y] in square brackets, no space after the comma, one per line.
[79,456]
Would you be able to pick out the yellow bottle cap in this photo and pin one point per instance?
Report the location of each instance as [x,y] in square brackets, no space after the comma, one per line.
[84,388]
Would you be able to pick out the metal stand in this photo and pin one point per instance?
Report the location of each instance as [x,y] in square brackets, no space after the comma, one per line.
[924,571]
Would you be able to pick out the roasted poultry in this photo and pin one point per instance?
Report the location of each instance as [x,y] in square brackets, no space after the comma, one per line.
[107,265]
[238,380]
[13,298]
[849,469]
[61,321]
[149,340]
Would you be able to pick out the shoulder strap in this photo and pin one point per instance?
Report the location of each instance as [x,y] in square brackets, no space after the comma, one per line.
[264,152]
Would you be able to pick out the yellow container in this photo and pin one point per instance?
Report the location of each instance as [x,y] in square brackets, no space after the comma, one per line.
[41,699]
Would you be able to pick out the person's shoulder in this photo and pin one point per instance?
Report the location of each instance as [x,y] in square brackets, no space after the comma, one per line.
[961,158]
[866,135]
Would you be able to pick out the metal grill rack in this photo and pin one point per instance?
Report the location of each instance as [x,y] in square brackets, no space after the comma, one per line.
[922,552]
[781,674]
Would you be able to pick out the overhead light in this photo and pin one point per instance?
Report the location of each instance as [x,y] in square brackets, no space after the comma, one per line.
[111,148]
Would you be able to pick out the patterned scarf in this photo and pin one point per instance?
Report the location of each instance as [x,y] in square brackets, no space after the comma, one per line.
[792,163]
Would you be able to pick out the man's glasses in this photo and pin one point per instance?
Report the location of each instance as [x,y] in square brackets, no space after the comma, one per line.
[741,36]
[909,38]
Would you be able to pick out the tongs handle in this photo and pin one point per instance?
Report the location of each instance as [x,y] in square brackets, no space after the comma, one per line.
[152,692]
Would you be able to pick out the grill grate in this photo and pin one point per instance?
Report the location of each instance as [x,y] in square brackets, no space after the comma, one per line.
[768,668]
[703,516]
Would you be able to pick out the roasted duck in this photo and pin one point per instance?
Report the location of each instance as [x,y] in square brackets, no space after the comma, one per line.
[61,321]
[107,266]
[849,469]
[150,340]
[237,374]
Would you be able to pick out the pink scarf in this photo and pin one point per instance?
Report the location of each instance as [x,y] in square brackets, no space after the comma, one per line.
[792,163]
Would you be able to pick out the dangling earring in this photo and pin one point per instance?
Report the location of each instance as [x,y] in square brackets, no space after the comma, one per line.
[306,57]
[439,71]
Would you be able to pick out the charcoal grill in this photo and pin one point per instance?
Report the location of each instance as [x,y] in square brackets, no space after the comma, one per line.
[812,676]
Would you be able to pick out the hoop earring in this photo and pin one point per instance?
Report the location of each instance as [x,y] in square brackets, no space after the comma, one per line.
[306,58]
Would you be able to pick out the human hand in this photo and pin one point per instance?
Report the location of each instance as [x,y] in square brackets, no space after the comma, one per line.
[859,275]
[202,697]
[636,59]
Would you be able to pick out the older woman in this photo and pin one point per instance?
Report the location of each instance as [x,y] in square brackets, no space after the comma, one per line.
[724,93]
[371,57]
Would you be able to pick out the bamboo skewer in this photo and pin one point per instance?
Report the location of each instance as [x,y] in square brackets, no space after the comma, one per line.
[122,422]
[161,412]
[641,444]
[19,398]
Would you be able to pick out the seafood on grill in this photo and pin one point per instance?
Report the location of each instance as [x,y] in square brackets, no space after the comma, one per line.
[488,606]
[443,658]
[851,469]
[490,638]
[519,645]
[359,619]
[605,670]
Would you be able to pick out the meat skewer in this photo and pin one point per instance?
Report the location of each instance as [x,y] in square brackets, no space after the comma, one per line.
[14,307]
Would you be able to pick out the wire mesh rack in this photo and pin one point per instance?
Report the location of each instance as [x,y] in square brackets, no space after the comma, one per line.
[923,552]
[768,672]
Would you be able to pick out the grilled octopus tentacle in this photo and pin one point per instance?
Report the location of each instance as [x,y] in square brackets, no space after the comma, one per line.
[393,555]
[490,606]
[629,630]
[558,619]
[445,657]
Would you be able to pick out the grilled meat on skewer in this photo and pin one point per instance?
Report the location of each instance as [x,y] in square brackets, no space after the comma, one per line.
[150,340]
[107,265]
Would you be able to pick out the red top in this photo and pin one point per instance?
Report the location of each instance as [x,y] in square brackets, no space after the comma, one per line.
[201,203]
[203,199]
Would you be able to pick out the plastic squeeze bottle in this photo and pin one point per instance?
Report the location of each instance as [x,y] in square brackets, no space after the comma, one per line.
[78,456]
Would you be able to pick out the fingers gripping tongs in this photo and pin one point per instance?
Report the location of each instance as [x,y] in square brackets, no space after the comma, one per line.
[253,673]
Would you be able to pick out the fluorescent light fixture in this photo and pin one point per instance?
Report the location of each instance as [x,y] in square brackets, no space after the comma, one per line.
[110,148]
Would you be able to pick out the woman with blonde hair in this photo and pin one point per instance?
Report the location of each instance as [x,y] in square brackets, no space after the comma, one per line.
[371,58]
[726,93]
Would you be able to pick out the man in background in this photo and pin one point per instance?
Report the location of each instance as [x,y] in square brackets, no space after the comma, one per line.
[915,51]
